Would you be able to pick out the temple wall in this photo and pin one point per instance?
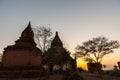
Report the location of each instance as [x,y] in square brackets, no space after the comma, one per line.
[35,59]
[20,58]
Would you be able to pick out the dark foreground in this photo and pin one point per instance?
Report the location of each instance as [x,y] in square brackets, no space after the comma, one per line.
[59,76]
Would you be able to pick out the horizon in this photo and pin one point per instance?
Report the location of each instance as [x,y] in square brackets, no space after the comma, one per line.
[76,21]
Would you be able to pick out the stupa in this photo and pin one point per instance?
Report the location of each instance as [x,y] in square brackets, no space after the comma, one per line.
[57,56]
[24,52]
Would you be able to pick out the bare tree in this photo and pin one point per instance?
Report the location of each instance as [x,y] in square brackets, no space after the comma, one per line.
[43,37]
[94,50]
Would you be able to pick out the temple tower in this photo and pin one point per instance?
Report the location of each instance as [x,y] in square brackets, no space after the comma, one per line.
[56,41]
[24,52]
[57,55]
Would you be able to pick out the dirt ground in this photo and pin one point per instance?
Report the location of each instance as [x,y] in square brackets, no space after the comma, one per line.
[87,76]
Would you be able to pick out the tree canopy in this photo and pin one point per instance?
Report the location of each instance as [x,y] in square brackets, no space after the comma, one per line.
[43,37]
[95,49]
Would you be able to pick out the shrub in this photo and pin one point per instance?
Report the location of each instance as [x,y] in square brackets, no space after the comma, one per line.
[72,75]
[115,73]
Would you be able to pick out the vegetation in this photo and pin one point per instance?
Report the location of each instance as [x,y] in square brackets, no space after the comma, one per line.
[43,37]
[94,50]
[72,75]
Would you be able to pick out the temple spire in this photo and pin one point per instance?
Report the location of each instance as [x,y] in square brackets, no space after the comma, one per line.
[29,24]
[56,41]
[56,33]
[27,35]
[28,31]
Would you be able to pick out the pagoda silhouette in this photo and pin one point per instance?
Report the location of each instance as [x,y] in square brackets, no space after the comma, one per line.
[25,56]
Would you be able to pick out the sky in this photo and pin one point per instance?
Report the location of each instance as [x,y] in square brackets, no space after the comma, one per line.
[75,20]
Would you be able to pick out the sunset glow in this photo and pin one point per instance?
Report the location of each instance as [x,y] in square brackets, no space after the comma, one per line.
[108,60]
[81,63]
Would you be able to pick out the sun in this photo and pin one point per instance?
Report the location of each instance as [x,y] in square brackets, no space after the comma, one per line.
[81,63]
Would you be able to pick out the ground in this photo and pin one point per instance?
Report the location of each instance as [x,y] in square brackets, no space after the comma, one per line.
[87,76]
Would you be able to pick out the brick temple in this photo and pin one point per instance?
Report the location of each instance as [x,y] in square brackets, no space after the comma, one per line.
[24,52]
[57,57]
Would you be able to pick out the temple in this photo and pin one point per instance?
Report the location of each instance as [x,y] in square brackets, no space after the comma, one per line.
[57,57]
[24,55]
[24,52]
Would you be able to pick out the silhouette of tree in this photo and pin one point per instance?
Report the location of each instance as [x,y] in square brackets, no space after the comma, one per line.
[94,50]
[104,66]
[43,37]
[115,68]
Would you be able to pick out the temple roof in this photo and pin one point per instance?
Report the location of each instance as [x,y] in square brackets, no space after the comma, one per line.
[25,42]
[27,37]
[56,41]
[28,33]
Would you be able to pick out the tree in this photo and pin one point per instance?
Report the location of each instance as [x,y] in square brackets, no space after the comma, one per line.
[43,37]
[94,50]
[115,68]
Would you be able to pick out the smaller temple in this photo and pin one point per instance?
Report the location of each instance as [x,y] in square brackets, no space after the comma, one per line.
[57,57]
[24,52]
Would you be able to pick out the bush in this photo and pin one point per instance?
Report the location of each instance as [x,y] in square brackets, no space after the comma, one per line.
[72,75]
[115,73]
[80,69]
